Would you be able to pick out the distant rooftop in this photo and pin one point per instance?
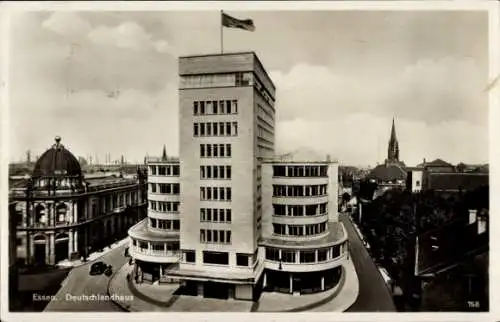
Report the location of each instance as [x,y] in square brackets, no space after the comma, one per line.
[302,155]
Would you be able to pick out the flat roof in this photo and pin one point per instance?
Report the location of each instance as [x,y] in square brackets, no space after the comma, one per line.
[141,231]
[336,235]
[234,54]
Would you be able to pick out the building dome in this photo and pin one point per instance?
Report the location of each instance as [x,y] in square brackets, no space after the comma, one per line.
[56,162]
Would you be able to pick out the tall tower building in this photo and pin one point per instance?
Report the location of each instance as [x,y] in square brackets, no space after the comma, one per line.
[393,149]
[226,104]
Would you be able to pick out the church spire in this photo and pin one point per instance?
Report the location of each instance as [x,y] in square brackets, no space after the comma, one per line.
[393,150]
[164,155]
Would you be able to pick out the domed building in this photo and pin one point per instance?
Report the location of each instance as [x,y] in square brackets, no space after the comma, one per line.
[62,215]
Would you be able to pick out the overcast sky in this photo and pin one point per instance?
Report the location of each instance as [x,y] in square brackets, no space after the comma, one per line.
[107,82]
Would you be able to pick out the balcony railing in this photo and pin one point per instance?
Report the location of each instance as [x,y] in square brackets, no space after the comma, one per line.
[159,253]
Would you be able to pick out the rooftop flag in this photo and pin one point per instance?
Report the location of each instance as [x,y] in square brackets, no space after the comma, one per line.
[231,22]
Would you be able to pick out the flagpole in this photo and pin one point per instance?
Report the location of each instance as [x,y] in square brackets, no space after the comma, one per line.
[221,34]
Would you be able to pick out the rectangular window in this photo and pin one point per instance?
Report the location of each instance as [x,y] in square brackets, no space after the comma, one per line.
[228,172]
[221,128]
[202,150]
[288,256]
[216,172]
[322,255]
[228,128]
[202,214]
[202,108]
[195,108]
[228,193]
[209,172]
[221,150]
[209,150]
[216,154]
[202,236]
[190,256]
[202,193]
[228,107]
[242,259]
[228,237]
[202,171]
[202,129]
[307,257]
[228,150]
[214,107]
[215,128]
[235,107]
[235,129]
[195,130]
[221,107]
[219,258]
[228,215]
[209,192]
[209,129]
[216,194]
[272,254]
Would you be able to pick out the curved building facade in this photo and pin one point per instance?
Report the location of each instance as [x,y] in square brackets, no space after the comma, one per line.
[304,242]
[155,240]
[248,221]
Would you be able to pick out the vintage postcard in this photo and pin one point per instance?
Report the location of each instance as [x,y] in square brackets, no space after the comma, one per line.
[277,158]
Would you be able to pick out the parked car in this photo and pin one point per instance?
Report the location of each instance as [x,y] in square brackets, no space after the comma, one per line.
[97,268]
[108,271]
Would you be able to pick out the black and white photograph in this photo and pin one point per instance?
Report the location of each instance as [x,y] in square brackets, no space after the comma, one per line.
[239,157]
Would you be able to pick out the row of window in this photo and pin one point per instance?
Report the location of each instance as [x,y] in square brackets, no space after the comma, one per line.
[299,191]
[299,230]
[217,80]
[166,224]
[219,258]
[215,150]
[300,210]
[164,206]
[263,92]
[215,172]
[215,236]
[261,111]
[215,129]
[222,107]
[215,215]
[308,256]
[165,188]
[174,246]
[164,170]
[300,171]
[215,193]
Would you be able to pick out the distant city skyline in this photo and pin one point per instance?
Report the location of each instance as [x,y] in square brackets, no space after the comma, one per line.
[106,82]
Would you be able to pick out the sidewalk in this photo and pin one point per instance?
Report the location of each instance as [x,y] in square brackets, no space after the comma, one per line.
[153,298]
[338,299]
[93,256]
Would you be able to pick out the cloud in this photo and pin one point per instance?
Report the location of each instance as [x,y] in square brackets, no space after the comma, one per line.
[128,35]
[434,91]
[362,139]
[68,24]
[130,121]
